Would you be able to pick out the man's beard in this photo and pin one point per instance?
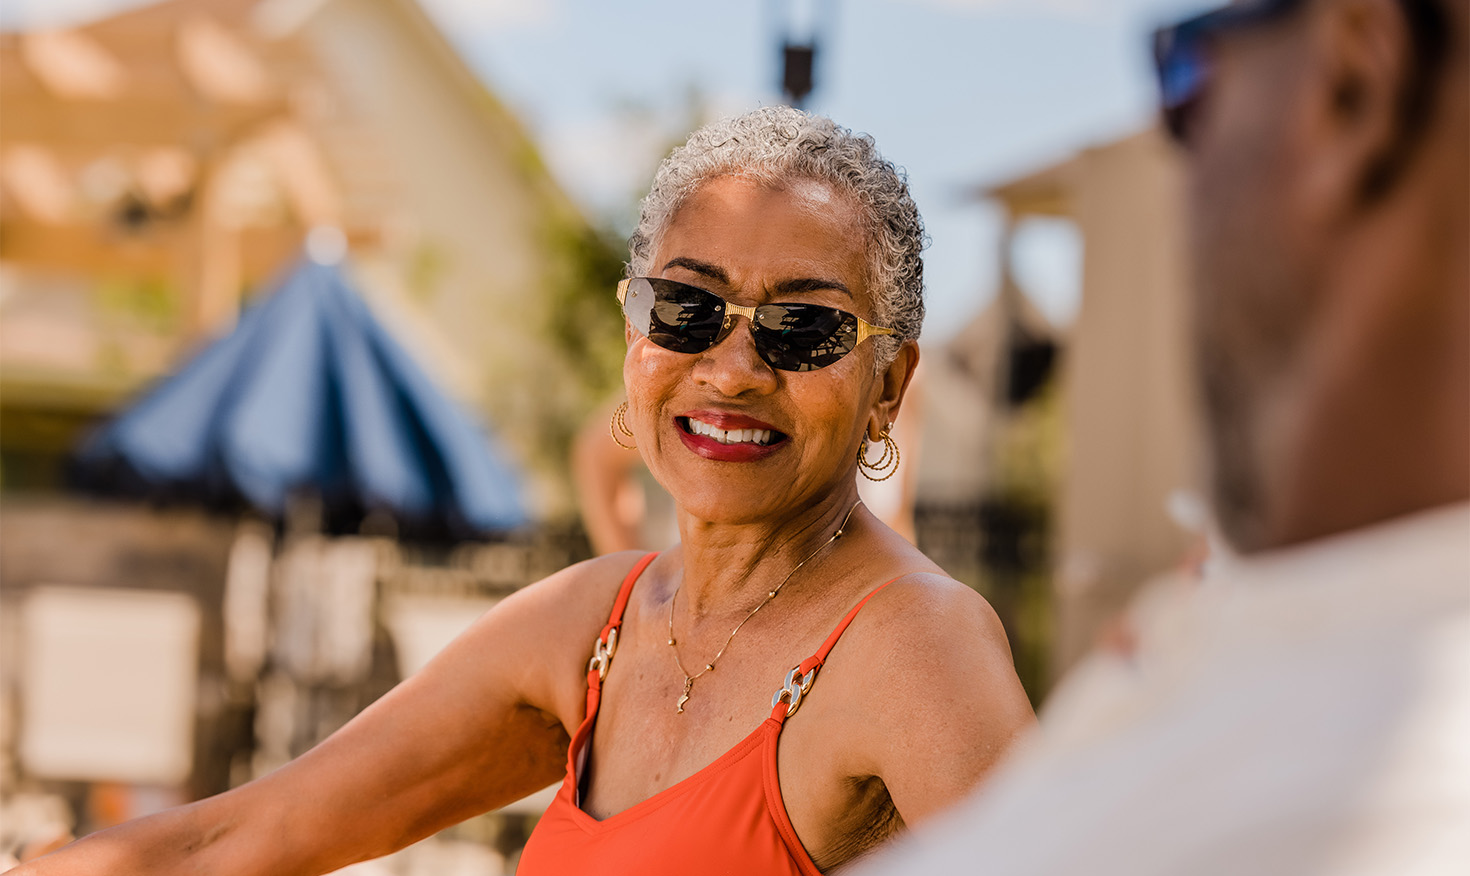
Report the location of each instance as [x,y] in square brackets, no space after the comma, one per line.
[1236,482]
[1252,306]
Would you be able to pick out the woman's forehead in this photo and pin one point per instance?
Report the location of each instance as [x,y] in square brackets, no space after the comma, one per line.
[747,232]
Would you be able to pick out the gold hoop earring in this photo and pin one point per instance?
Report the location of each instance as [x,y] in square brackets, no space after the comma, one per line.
[886,466]
[618,424]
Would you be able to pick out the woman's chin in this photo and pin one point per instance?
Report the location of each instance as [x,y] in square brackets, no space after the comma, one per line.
[734,504]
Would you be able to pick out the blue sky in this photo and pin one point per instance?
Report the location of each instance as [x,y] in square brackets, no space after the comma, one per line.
[961,93]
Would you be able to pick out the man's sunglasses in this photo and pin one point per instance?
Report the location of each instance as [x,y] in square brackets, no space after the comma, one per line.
[789,337]
[1182,56]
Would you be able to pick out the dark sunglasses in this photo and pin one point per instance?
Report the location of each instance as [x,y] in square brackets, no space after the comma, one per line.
[1182,56]
[789,337]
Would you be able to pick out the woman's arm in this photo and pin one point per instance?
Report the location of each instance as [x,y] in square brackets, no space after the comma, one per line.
[481,726]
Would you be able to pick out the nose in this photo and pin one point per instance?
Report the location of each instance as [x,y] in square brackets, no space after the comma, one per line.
[732,366]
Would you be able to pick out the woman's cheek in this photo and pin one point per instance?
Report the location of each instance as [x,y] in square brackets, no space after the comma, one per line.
[643,361]
[646,379]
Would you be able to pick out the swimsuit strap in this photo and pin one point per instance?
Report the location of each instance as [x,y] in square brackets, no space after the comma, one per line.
[799,680]
[607,640]
[615,619]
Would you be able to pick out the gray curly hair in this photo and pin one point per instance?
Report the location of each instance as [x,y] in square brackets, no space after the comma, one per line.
[775,144]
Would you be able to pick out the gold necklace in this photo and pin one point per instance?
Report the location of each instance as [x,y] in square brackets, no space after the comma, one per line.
[710,666]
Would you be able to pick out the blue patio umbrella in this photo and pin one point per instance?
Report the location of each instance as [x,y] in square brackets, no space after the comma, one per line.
[309,394]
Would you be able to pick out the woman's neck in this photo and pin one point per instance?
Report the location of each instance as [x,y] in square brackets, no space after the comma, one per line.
[728,567]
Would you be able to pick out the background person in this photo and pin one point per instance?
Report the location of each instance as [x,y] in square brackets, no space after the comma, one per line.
[772,318]
[1307,710]
[622,507]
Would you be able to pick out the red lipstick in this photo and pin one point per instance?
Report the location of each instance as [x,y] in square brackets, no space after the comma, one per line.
[742,451]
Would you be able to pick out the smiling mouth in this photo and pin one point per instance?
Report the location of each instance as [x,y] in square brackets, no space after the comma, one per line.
[758,437]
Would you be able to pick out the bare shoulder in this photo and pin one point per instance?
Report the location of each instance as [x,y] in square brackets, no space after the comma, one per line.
[578,595]
[921,609]
[925,609]
[926,625]
[928,663]
[556,621]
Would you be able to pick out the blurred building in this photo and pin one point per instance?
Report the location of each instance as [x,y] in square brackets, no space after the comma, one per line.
[156,168]
[1086,473]
[987,466]
[158,165]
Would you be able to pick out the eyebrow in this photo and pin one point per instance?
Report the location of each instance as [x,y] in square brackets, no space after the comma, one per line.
[704,269]
[784,287]
[811,284]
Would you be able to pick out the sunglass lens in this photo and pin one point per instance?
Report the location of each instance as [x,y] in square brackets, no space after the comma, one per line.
[789,337]
[803,337]
[674,316]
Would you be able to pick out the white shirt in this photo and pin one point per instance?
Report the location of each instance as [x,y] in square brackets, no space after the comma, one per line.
[1305,713]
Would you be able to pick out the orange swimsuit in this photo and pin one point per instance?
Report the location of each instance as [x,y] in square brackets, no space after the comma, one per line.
[728,818]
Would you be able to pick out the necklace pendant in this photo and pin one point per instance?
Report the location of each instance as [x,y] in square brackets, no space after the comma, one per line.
[684,698]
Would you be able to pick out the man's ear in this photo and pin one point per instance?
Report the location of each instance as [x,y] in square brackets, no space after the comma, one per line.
[894,383]
[1365,50]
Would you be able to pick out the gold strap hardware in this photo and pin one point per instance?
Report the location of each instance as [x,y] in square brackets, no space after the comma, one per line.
[795,688]
[602,655]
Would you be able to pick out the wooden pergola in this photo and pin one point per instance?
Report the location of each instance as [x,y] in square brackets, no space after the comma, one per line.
[160,144]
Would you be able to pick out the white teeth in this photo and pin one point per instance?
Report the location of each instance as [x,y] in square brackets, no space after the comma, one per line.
[730,436]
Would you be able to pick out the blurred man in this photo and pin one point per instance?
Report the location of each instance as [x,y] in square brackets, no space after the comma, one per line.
[1308,710]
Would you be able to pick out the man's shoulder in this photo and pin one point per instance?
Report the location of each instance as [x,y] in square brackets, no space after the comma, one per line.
[1252,730]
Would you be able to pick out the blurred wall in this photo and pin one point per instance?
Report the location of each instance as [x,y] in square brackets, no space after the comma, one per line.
[1130,442]
[1123,476]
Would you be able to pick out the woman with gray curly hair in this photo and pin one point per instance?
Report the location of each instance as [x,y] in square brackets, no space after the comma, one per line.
[773,303]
